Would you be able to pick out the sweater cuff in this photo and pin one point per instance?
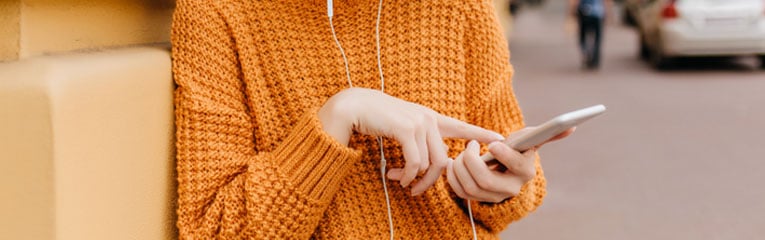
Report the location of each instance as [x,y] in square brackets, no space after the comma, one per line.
[312,160]
[497,216]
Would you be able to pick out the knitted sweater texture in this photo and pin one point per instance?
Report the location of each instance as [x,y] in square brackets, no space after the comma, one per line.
[252,159]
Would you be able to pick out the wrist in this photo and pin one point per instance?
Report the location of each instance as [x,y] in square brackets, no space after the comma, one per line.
[336,120]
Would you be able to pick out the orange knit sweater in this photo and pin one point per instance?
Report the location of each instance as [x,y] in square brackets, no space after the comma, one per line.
[252,159]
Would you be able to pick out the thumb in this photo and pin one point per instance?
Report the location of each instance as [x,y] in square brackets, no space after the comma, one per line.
[453,128]
[395,174]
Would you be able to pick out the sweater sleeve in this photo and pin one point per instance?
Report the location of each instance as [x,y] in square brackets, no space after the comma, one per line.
[226,188]
[495,107]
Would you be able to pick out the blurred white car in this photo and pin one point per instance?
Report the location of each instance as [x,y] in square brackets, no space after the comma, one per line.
[673,28]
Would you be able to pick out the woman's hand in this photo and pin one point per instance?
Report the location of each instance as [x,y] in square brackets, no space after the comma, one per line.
[471,178]
[418,129]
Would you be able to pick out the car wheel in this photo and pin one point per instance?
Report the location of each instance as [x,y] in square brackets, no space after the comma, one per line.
[659,60]
[627,18]
[762,61]
[644,52]
[514,7]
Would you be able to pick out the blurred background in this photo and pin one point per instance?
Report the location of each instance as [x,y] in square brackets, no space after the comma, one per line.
[680,152]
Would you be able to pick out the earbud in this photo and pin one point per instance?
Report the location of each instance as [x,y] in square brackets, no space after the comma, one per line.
[330,13]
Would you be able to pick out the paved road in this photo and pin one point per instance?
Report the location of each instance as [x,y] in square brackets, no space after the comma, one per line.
[679,154]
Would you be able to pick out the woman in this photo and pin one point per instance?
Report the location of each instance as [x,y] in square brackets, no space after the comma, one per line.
[273,142]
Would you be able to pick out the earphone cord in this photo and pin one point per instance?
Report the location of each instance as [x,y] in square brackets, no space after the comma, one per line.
[472,222]
[379,139]
[342,52]
[383,162]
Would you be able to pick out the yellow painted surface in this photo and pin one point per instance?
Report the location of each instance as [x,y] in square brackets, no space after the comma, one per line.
[87,146]
[39,27]
[50,26]
[26,153]
[9,29]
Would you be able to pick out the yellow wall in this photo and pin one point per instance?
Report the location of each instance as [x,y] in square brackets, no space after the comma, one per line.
[9,29]
[26,155]
[38,27]
[86,146]
[86,120]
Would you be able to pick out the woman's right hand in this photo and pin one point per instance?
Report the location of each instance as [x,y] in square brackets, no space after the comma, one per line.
[419,130]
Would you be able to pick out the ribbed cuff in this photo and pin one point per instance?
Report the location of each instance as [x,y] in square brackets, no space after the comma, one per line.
[313,160]
[496,216]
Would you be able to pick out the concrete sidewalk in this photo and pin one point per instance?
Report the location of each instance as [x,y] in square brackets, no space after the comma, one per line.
[678,155]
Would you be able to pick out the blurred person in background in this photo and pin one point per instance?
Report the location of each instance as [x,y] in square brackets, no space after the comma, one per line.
[591,15]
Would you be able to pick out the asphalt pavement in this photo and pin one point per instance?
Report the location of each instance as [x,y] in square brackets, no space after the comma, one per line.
[680,154]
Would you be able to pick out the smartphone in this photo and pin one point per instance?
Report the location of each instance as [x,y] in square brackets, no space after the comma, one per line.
[551,128]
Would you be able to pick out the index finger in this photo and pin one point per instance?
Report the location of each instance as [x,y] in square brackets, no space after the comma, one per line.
[454,128]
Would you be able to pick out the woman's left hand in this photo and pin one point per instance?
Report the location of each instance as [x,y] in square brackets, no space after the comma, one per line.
[472,178]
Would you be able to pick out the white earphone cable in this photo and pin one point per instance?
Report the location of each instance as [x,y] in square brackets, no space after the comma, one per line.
[383,162]
[472,222]
[377,38]
[342,52]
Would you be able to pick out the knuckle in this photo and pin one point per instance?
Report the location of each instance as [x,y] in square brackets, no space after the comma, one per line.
[423,167]
[406,126]
[512,191]
[440,163]
[420,120]
[412,164]
[469,157]
[518,166]
[484,182]
[472,190]
[429,119]
[529,174]
[409,129]
[461,194]
[519,170]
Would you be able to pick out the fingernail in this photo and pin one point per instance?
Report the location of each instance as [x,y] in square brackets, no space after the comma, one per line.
[473,144]
[415,193]
[499,137]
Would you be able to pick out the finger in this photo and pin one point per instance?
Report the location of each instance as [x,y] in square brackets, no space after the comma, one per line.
[529,166]
[422,147]
[468,183]
[395,174]
[505,155]
[516,134]
[481,173]
[453,182]
[559,136]
[453,128]
[437,151]
[513,160]
[412,156]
